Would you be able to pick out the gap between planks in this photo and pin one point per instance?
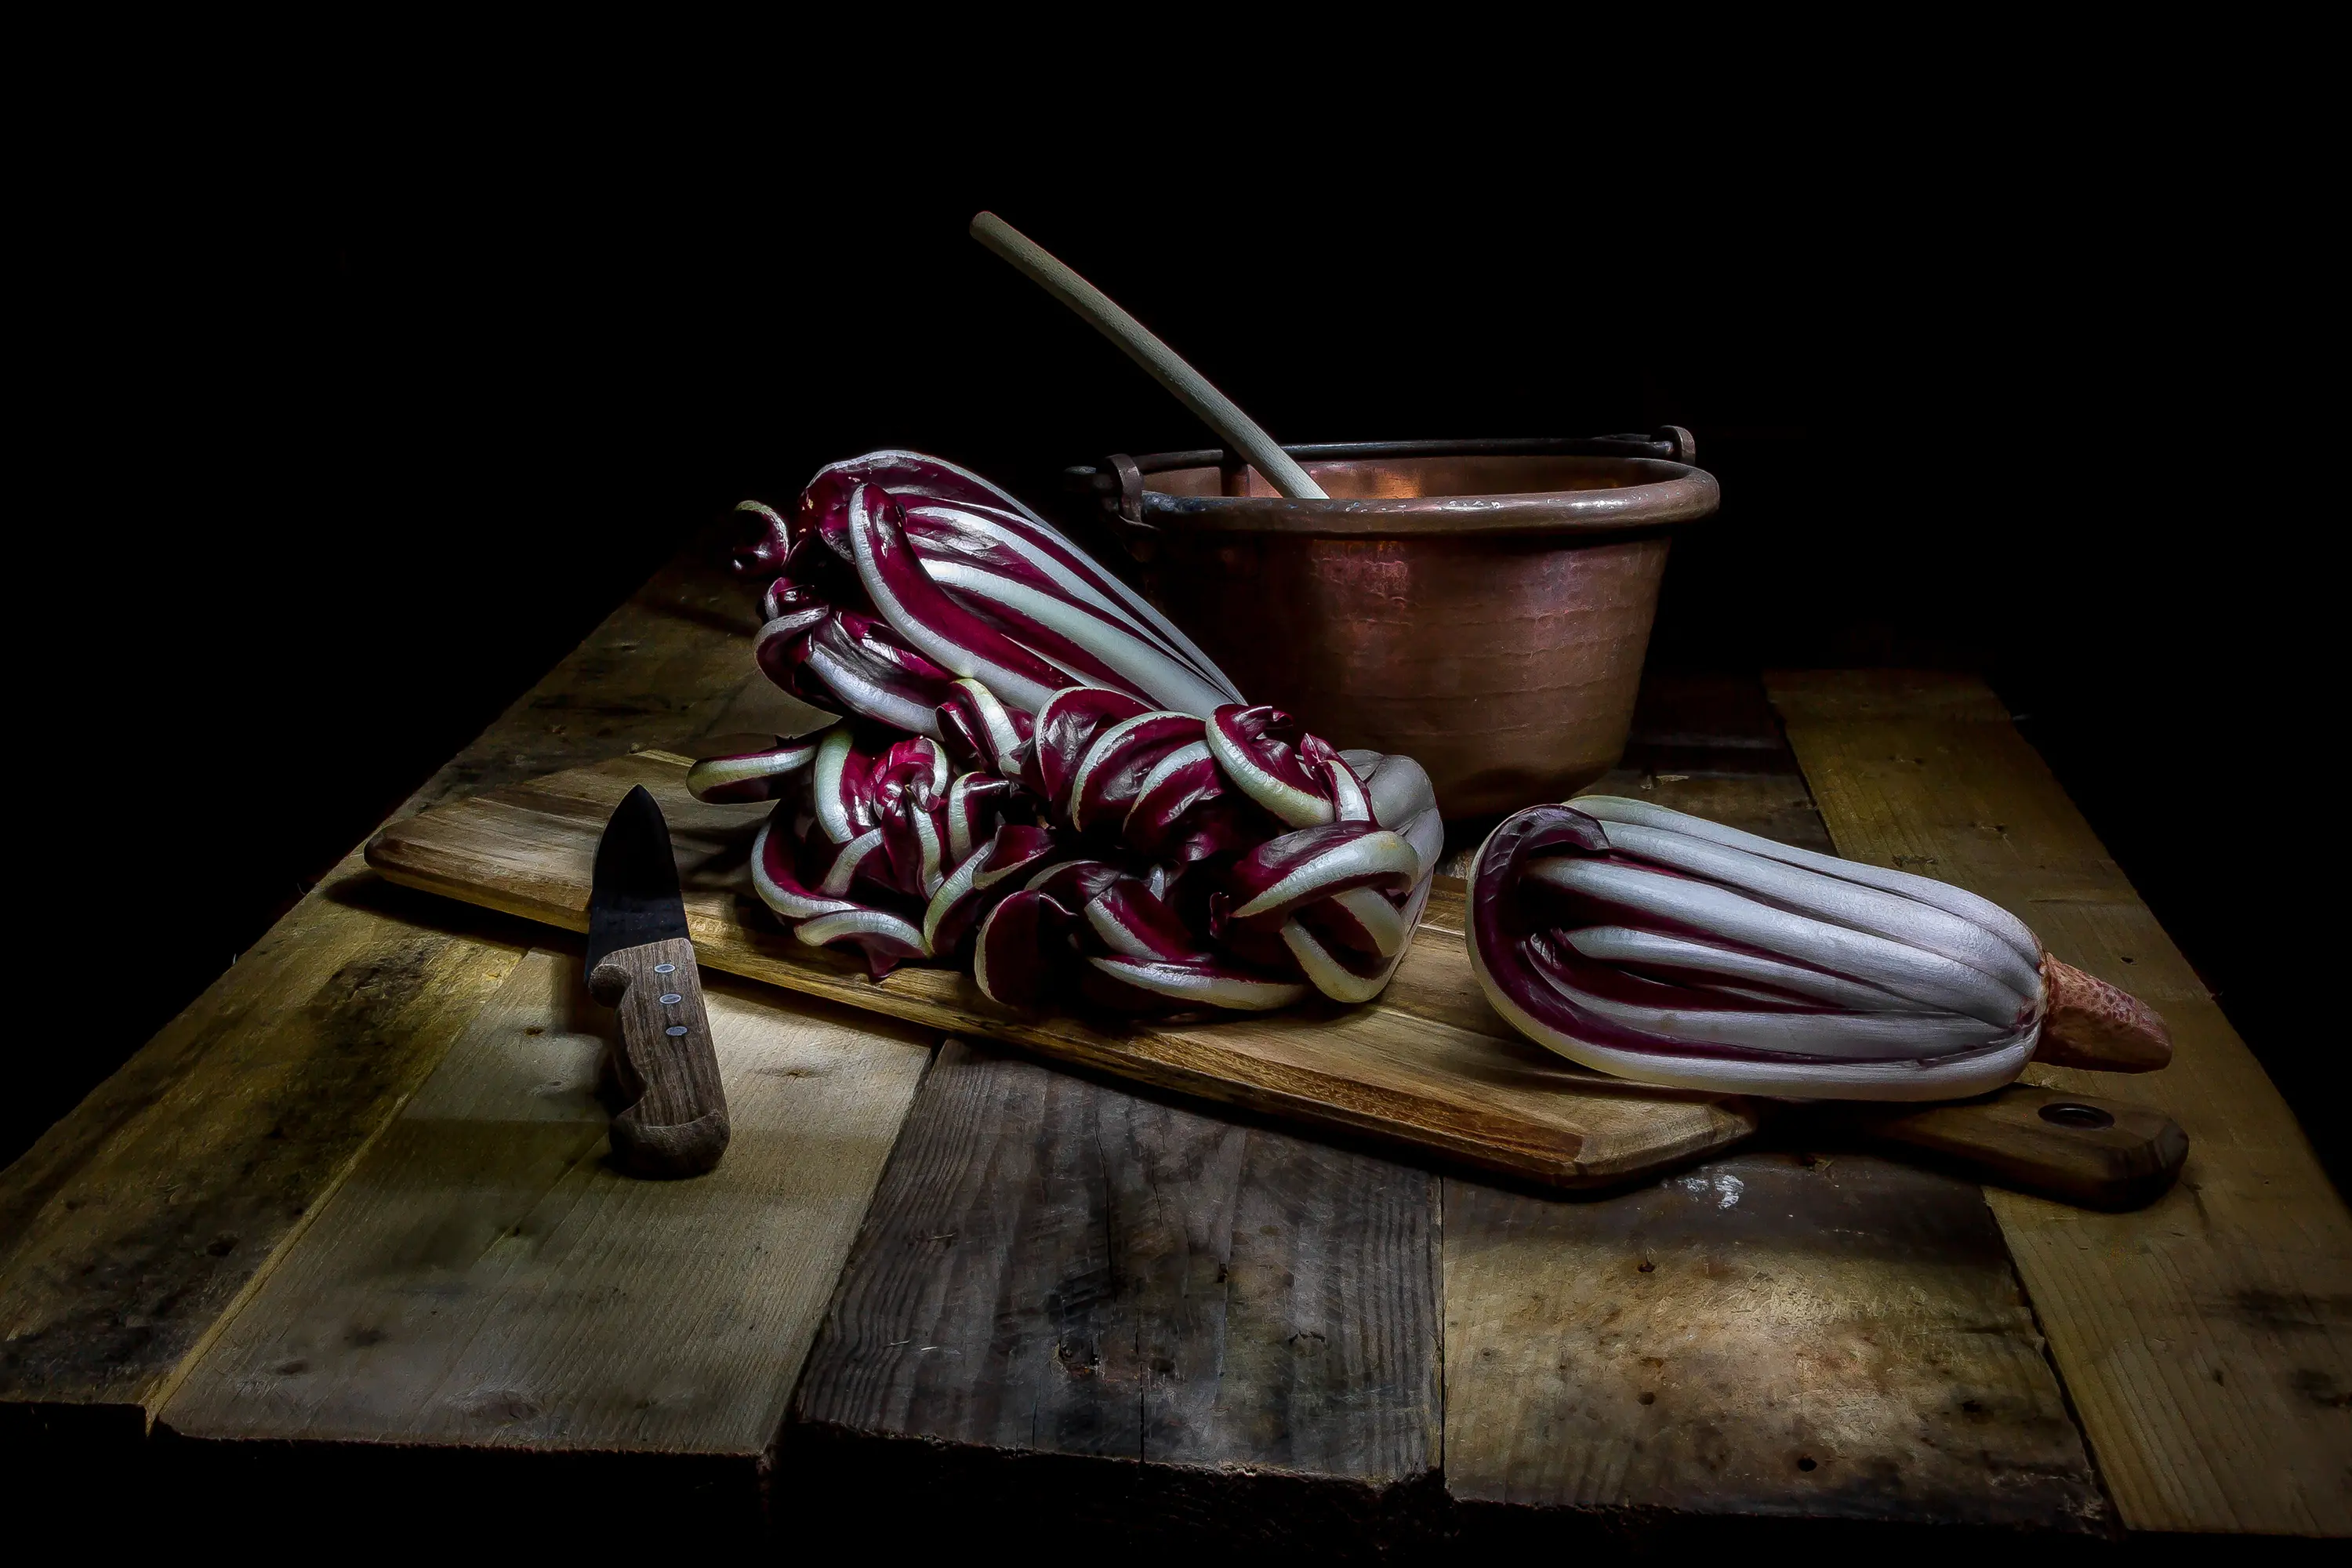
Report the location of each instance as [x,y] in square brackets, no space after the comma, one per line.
[138,1222]
[2206,1341]
[1775,1331]
[483,1276]
[131,1228]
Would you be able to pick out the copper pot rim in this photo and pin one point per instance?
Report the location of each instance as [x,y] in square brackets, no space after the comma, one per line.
[1663,493]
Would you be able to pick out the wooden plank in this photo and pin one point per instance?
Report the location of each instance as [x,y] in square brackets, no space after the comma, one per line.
[134,1224]
[137,1220]
[485,1277]
[2207,1341]
[1771,1332]
[1779,1331]
[1055,1266]
[1429,1066]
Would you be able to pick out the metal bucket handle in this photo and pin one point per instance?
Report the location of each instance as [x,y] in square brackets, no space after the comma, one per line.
[1115,483]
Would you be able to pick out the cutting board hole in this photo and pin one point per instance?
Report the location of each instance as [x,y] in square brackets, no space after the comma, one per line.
[2067,1114]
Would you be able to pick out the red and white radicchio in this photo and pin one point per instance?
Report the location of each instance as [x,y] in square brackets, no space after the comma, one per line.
[1037,776]
[1651,944]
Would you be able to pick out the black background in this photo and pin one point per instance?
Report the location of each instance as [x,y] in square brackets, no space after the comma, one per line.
[340,455]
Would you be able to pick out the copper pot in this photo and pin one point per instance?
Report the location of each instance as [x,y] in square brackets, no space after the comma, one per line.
[1481,605]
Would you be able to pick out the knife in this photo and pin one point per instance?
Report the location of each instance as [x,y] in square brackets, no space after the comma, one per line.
[640,963]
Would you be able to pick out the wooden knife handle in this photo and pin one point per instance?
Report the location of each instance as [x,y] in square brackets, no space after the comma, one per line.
[676,1124]
[2099,1154]
[2093,1025]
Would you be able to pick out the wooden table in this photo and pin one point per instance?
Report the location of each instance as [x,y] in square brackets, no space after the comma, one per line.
[343,1226]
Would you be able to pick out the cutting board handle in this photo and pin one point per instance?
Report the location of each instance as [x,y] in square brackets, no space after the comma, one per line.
[2100,1154]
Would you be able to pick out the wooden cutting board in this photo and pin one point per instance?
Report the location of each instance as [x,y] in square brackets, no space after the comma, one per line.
[1428,1066]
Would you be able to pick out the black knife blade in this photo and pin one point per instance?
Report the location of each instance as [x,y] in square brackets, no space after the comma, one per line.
[641,962]
[634,897]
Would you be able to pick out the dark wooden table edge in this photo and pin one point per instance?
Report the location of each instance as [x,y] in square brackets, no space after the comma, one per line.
[822,1486]
[1149,1505]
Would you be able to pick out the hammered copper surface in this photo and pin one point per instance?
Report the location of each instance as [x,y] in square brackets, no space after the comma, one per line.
[1496,635]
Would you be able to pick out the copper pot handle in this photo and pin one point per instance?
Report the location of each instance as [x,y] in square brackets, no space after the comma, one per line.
[1117,482]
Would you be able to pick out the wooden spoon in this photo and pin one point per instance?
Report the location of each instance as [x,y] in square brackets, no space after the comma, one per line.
[1219,413]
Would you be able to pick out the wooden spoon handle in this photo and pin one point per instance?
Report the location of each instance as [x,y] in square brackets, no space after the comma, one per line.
[2093,1025]
[1218,412]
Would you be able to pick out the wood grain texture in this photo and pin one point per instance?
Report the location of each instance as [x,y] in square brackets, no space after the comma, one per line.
[2206,1341]
[1767,1334]
[485,1278]
[146,1212]
[673,1118]
[1774,1332]
[1057,1266]
[134,1223]
[2100,1154]
[1428,1067]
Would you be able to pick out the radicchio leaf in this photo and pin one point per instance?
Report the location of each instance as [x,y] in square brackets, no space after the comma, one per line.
[984,547]
[921,611]
[745,777]
[1137,984]
[1067,724]
[981,732]
[1260,750]
[1023,949]
[1008,696]
[1285,873]
[1647,958]
[992,873]
[1132,920]
[1110,776]
[865,669]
